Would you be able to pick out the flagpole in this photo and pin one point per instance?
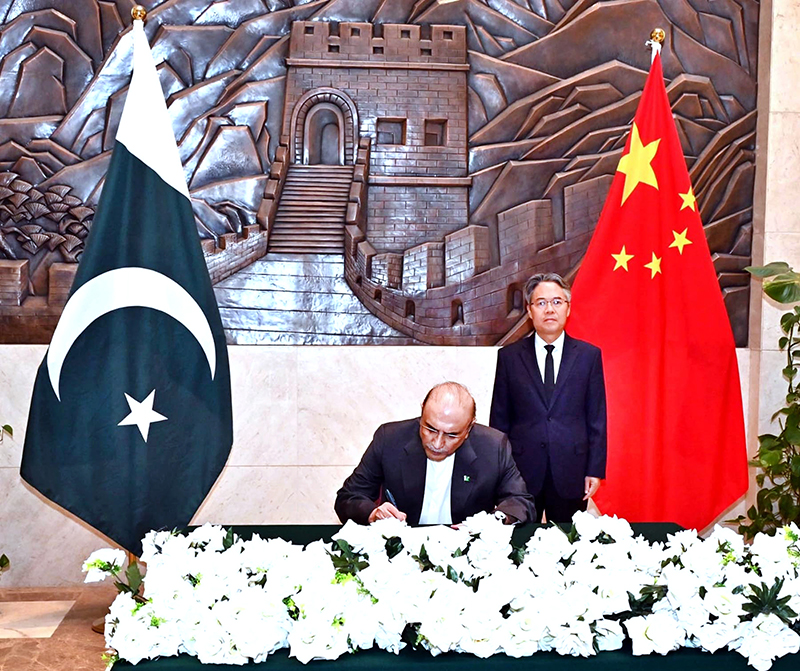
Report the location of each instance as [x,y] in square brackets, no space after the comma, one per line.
[657,37]
[138,13]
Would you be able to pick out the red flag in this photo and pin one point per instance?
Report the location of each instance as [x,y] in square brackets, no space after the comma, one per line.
[647,295]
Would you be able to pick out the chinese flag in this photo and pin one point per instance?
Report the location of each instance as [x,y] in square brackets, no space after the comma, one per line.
[647,295]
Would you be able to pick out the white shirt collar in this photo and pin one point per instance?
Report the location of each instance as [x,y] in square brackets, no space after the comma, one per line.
[540,343]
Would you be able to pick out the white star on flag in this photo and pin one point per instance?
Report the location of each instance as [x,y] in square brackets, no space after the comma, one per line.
[142,414]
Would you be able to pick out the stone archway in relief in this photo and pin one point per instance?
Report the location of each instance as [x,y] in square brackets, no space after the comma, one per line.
[331,99]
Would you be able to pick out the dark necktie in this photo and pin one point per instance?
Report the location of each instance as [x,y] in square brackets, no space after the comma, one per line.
[549,373]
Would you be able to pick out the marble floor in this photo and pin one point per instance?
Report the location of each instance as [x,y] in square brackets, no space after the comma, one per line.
[50,629]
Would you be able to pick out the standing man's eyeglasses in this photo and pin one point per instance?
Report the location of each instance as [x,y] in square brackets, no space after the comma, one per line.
[542,303]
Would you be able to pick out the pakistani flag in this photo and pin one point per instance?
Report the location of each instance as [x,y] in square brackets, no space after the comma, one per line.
[130,422]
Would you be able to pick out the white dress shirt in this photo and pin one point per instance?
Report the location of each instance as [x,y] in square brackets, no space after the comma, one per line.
[541,353]
[438,484]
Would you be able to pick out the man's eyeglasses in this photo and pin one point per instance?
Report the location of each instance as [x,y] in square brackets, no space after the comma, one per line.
[542,303]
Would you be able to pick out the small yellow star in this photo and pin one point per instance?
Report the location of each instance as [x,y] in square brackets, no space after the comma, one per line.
[654,265]
[621,259]
[636,164]
[680,240]
[688,200]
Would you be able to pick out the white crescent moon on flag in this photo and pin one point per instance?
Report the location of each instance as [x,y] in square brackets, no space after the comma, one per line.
[126,288]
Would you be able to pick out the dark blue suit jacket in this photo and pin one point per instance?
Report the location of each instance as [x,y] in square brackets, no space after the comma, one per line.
[570,433]
[484,476]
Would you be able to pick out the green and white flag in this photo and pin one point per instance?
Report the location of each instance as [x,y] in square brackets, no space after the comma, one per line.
[130,422]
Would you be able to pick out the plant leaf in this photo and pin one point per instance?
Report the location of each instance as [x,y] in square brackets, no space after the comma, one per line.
[788,319]
[134,576]
[770,270]
[784,288]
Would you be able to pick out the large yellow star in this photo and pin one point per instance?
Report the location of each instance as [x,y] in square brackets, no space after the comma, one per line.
[622,259]
[654,266]
[680,240]
[688,200]
[636,164]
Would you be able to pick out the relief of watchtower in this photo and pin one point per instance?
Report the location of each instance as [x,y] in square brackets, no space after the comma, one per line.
[399,94]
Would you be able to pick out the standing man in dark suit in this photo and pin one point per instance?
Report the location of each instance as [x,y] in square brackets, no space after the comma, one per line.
[549,397]
[437,469]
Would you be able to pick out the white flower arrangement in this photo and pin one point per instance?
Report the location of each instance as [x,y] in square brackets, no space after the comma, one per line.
[229,601]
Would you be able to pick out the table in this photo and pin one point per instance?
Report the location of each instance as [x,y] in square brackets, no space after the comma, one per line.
[684,659]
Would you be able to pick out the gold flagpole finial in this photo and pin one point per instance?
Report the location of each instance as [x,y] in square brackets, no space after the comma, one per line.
[658,35]
[138,13]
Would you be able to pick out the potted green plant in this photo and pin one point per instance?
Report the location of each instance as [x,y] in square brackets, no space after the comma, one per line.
[778,458]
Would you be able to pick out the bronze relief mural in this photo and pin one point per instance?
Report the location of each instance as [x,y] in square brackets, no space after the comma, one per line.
[370,171]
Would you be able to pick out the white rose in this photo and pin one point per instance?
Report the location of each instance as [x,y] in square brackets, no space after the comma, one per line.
[100,564]
[659,632]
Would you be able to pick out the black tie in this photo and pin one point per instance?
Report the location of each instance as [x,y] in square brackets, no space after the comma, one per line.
[549,373]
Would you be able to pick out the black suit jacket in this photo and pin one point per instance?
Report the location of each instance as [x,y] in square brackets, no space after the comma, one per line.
[570,432]
[484,476]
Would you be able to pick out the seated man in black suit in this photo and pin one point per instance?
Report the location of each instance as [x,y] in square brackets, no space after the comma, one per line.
[437,469]
[550,398]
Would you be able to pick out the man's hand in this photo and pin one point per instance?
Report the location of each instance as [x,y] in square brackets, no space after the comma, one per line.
[590,487]
[385,511]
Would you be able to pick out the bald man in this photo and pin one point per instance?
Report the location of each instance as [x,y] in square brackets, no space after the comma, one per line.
[439,468]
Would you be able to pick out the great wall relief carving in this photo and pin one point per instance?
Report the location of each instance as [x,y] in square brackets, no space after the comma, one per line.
[422,156]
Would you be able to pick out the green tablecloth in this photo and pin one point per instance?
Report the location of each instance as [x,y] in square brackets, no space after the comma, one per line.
[366,660]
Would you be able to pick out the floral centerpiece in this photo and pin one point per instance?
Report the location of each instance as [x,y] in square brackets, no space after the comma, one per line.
[227,600]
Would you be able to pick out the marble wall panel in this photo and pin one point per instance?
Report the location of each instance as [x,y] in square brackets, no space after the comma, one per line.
[45,544]
[772,390]
[18,365]
[344,397]
[783,168]
[264,397]
[274,495]
[785,60]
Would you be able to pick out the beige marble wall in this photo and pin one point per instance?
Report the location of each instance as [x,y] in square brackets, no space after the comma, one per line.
[777,224]
[303,415]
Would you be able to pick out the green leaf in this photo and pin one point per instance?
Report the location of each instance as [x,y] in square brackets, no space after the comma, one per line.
[8,429]
[789,372]
[763,499]
[349,561]
[767,441]
[791,435]
[770,270]
[795,465]
[788,319]
[4,563]
[291,607]
[782,342]
[786,507]
[422,559]
[134,576]
[517,555]
[230,537]
[765,600]
[394,546]
[770,458]
[784,288]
